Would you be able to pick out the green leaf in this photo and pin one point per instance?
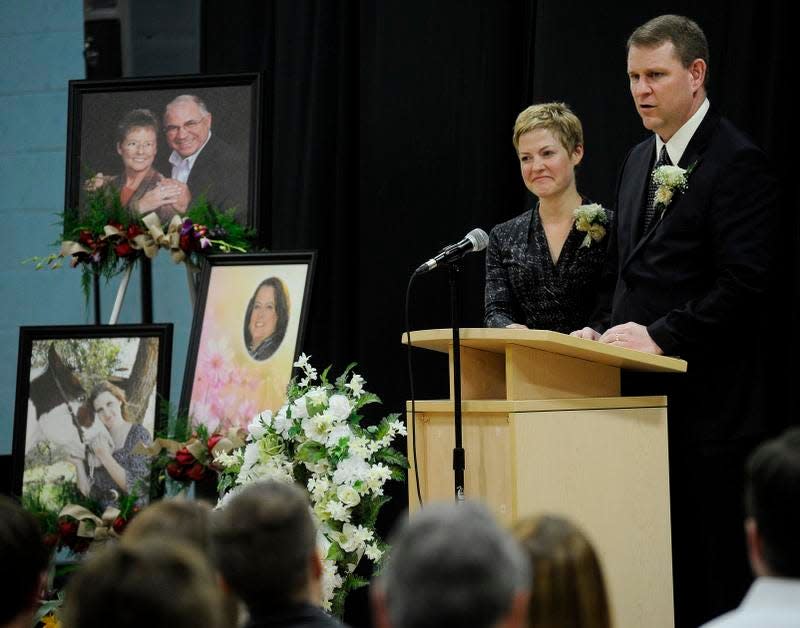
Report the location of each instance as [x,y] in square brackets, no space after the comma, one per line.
[311,452]
[335,552]
[366,399]
[324,377]
[391,457]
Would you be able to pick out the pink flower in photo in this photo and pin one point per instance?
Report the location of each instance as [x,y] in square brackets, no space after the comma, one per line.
[215,363]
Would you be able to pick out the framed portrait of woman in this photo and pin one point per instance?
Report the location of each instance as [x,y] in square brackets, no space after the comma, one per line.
[88,401]
[163,143]
[246,334]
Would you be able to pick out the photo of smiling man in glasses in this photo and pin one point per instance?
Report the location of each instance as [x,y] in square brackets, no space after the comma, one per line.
[200,158]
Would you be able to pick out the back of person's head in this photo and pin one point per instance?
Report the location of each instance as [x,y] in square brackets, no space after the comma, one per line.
[451,565]
[772,496]
[158,583]
[263,542]
[568,587]
[23,554]
[187,519]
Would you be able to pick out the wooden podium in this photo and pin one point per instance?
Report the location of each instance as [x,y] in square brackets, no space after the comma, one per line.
[546,430]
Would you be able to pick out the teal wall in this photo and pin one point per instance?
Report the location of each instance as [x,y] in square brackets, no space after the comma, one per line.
[41,49]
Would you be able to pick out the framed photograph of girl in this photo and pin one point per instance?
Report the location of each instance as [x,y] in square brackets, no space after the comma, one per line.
[88,399]
[165,142]
[246,334]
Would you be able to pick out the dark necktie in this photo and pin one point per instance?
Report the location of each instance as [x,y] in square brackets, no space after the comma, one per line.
[650,208]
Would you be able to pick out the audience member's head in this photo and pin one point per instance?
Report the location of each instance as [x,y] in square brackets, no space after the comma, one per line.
[187,519]
[23,554]
[264,545]
[568,587]
[452,565]
[772,488]
[158,583]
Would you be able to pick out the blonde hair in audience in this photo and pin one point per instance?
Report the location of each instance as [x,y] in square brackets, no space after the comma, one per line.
[568,586]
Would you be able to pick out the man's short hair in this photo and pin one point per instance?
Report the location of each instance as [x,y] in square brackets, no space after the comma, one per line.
[688,38]
[23,552]
[158,583]
[188,98]
[262,542]
[555,117]
[772,498]
[452,565]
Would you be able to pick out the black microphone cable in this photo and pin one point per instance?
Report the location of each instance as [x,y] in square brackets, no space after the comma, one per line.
[411,390]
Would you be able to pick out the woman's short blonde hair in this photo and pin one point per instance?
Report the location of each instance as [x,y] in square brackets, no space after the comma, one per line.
[557,118]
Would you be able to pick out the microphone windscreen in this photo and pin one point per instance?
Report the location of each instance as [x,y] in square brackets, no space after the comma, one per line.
[479,239]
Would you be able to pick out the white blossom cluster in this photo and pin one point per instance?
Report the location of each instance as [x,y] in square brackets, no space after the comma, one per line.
[317,428]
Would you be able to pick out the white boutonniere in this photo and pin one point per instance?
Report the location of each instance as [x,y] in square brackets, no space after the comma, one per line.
[591,220]
[670,179]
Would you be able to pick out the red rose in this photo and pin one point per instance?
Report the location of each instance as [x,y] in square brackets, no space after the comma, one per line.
[68,528]
[197,472]
[186,243]
[85,237]
[212,441]
[133,231]
[175,470]
[184,456]
[119,524]
[123,249]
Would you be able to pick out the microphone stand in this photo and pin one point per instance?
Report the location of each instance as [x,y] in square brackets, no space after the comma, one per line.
[458,450]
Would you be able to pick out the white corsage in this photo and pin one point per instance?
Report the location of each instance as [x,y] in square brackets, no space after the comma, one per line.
[591,220]
[670,179]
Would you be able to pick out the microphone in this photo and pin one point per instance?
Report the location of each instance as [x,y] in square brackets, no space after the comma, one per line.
[476,240]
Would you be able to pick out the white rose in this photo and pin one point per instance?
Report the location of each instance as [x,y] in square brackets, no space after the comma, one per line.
[339,407]
[348,496]
[299,410]
[335,434]
[318,396]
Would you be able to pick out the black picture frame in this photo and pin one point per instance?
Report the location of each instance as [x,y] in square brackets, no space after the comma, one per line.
[57,391]
[227,381]
[236,106]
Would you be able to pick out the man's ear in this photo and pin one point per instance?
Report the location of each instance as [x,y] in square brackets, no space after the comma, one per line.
[697,69]
[755,547]
[316,566]
[380,612]
[518,614]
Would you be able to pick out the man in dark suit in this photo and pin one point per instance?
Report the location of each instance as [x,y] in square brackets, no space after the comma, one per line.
[202,160]
[694,253]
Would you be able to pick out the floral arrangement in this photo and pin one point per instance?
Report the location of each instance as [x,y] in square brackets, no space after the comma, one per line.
[591,220]
[316,439]
[105,237]
[192,458]
[69,519]
[670,179]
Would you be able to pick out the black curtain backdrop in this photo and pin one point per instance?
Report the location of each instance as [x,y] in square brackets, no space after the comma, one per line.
[389,135]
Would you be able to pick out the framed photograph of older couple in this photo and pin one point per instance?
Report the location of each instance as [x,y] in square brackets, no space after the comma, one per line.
[246,334]
[164,143]
[88,400]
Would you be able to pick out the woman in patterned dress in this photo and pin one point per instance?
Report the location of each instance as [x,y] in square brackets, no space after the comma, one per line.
[543,267]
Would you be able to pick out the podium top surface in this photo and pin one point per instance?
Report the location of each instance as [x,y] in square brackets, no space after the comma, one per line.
[495,340]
